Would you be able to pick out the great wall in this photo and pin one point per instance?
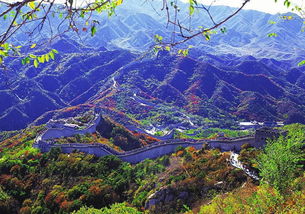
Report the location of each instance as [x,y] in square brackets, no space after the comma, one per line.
[152,151]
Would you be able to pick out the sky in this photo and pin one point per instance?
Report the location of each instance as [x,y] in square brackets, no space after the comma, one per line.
[268,6]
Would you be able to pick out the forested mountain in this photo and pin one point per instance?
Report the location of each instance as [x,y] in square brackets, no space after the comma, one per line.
[260,81]
[221,88]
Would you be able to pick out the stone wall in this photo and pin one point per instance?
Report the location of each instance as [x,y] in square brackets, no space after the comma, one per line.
[152,151]
[235,145]
[53,133]
[265,133]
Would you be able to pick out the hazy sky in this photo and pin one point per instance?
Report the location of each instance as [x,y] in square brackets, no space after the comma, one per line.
[268,6]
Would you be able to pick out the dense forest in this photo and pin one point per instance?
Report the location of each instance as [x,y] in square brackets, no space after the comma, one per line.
[186,181]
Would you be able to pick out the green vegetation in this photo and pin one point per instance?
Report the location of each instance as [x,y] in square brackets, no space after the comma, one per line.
[121,137]
[209,133]
[119,208]
[282,189]
[60,183]
[83,120]
[31,182]
[7,134]
[279,162]
[87,139]
[3,195]
[259,199]
[158,114]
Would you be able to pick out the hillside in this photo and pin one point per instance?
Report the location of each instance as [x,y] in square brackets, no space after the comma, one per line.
[146,91]
[183,182]
[210,88]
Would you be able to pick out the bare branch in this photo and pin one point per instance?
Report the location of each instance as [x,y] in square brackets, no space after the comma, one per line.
[206,30]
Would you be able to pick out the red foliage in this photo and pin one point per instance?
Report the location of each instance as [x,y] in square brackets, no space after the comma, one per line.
[95,190]
[66,205]
[180,153]
[25,210]
[191,149]
[38,155]
[60,198]
[49,198]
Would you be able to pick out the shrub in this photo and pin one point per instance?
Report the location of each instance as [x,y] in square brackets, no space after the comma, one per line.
[280,161]
[120,208]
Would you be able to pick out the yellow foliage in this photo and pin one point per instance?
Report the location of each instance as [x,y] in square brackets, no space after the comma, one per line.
[261,199]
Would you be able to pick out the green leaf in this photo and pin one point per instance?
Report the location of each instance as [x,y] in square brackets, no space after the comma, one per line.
[82,14]
[93,30]
[31,5]
[207,37]
[158,38]
[55,51]
[157,48]
[191,9]
[1,59]
[51,54]
[6,46]
[33,45]
[272,35]
[192,4]
[41,59]
[185,52]
[27,60]
[32,56]
[47,57]
[36,63]
[119,2]
[287,3]
[223,30]
[301,63]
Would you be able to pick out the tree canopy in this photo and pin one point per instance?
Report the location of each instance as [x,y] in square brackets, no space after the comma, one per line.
[281,159]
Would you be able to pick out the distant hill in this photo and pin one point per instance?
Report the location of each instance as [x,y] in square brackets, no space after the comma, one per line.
[152,88]
[240,75]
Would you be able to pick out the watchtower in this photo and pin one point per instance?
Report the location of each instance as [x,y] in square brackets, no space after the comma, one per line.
[265,133]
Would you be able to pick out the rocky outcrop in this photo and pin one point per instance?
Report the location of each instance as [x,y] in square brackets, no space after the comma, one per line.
[165,196]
